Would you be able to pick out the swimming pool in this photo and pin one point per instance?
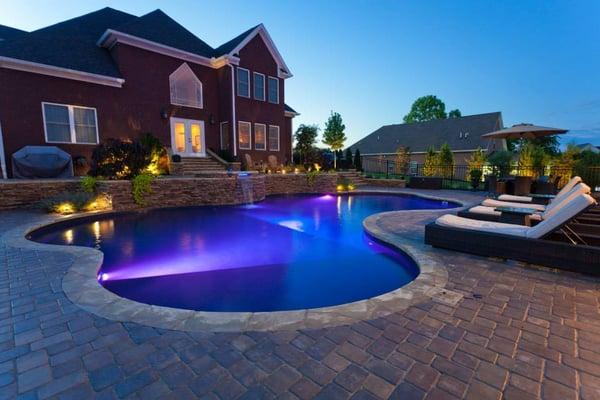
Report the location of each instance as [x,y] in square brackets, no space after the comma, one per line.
[285,253]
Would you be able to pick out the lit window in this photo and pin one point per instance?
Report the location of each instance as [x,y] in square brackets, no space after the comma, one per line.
[244,135]
[260,137]
[259,86]
[273,138]
[273,90]
[243,82]
[70,124]
[186,88]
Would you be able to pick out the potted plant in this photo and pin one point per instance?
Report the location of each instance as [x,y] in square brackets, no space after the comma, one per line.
[475,175]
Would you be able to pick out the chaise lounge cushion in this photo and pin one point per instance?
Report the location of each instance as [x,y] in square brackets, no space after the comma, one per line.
[527,199]
[498,203]
[454,221]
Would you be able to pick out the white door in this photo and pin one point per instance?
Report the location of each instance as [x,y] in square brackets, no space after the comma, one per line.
[187,137]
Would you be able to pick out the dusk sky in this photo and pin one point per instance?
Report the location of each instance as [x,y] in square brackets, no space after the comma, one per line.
[536,61]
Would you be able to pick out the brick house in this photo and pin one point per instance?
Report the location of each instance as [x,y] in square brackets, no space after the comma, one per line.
[462,134]
[110,74]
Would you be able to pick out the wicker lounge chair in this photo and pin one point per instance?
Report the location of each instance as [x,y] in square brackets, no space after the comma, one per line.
[530,199]
[522,243]
[489,213]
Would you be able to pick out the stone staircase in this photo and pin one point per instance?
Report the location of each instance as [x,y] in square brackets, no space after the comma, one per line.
[199,165]
[353,177]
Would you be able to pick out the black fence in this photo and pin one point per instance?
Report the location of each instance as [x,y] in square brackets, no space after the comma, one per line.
[458,176]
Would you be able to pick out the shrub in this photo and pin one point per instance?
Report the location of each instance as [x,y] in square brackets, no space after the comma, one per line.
[588,168]
[312,175]
[88,184]
[159,162]
[431,161]
[532,160]
[67,203]
[118,159]
[501,162]
[141,185]
[357,160]
[446,161]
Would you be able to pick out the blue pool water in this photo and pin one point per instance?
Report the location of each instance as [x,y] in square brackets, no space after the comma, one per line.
[285,253]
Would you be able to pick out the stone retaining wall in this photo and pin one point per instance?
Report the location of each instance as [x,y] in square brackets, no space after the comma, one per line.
[171,192]
[386,183]
[18,193]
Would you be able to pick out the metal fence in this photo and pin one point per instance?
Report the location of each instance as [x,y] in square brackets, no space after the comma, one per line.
[458,176]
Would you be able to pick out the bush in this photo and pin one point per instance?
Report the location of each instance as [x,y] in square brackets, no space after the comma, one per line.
[501,162]
[141,185]
[67,203]
[159,161]
[88,184]
[118,159]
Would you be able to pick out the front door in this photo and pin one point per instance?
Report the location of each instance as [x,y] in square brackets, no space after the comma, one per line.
[187,137]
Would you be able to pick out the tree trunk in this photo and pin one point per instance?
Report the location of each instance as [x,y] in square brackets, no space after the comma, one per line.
[334,161]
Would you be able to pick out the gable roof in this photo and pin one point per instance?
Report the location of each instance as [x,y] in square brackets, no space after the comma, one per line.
[7,32]
[419,136]
[70,44]
[228,47]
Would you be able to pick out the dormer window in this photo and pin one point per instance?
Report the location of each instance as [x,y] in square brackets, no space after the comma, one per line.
[186,88]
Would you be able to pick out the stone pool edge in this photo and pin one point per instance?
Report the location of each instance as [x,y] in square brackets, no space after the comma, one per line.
[82,288]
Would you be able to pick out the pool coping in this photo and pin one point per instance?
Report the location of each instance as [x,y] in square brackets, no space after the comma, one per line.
[82,288]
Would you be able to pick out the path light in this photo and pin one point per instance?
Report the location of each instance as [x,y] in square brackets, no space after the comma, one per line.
[296,171]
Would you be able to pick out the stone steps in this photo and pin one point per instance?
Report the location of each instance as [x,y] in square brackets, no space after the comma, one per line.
[353,177]
[193,165]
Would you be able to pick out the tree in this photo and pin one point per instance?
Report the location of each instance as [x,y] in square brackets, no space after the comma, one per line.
[333,135]
[563,164]
[426,108]
[446,161]
[305,137]
[348,157]
[431,162]
[454,114]
[402,160]
[501,162]
[475,163]
[549,144]
[357,160]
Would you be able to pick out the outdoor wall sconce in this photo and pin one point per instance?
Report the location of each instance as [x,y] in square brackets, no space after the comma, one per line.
[164,114]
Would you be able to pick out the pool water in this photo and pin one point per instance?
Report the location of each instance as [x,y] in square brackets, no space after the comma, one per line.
[284,253]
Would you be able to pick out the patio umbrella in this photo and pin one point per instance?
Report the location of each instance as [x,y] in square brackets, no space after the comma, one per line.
[524,131]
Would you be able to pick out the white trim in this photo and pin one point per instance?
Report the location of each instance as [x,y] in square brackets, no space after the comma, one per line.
[278,138]
[186,67]
[254,86]
[237,86]
[265,137]
[268,87]
[59,72]
[72,131]
[283,70]
[249,135]
[2,156]
[233,119]
[221,134]
[187,124]
[413,152]
[290,114]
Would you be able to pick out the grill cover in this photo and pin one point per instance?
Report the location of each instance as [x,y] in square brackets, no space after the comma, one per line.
[41,162]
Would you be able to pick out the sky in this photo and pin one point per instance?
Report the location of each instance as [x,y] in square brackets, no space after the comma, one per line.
[535,61]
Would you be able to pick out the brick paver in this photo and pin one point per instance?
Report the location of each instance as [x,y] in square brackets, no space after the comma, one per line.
[519,332]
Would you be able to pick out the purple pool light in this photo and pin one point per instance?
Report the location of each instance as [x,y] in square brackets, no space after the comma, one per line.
[286,253]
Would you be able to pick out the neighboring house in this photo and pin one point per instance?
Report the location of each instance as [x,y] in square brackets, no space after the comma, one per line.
[463,135]
[109,74]
[588,147]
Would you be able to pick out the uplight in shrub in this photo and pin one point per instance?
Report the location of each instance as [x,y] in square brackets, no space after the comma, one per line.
[340,188]
[65,208]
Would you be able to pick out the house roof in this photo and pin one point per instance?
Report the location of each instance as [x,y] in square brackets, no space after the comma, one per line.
[290,109]
[73,44]
[462,133]
[7,32]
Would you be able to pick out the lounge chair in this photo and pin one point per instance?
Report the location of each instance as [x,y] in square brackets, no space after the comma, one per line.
[522,243]
[489,213]
[530,199]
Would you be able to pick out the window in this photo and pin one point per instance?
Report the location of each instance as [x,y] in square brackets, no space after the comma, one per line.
[273,90]
[260,137]
[186,88]
[244,135]
[243,82]
[259,86]
[273,138]
[70,124]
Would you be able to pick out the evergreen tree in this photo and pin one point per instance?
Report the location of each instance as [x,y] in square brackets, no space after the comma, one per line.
[431,162]
[349,163]
[357,160]
[446,161]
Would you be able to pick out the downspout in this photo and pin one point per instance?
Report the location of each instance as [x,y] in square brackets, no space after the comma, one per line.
[233,120]
[2,159]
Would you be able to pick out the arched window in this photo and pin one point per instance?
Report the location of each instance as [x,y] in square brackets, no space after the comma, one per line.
[186,88]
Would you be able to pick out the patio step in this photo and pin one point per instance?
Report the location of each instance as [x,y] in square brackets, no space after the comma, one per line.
[194,165]
[353,177]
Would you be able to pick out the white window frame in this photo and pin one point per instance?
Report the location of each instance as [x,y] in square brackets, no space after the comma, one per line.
[70,108]
[266,137]
[238,83]
[278,138]
[181,68]
[269,84]
[239,144]
[264,78]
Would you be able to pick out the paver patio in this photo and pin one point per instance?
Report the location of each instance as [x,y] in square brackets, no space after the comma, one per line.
[518,332]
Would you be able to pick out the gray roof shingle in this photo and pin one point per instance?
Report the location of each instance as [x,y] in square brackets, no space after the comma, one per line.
[7,32]
[227,47]
[418,137]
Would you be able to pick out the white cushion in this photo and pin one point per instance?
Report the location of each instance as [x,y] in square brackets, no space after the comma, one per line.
[453,221]
[572,206]
[510,197]
[498,203]
[580,188]
[484,210]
